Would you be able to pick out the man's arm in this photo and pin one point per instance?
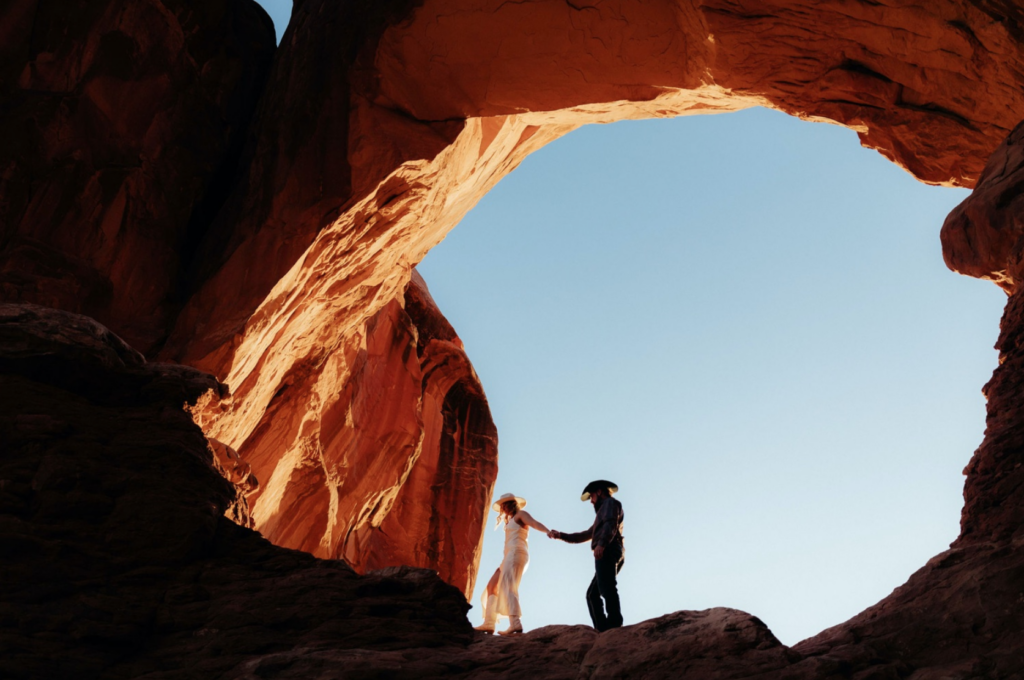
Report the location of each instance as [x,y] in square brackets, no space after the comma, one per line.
[580,537]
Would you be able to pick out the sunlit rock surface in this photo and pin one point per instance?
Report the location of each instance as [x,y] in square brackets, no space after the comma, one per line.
[120,132]
[391,454]
[984,236]
[130,186]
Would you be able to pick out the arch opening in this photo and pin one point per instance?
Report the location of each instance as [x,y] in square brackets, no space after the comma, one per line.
[258,215]
[745,321]
[337,217]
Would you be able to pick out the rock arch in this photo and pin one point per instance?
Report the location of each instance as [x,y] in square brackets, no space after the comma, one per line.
[290,257]
[366,156]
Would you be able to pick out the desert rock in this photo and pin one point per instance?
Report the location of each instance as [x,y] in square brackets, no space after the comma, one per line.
[142,178]
[122,123]
[390,437]
[364,162]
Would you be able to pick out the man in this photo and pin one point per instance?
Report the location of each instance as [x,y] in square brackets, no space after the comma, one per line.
[606,541]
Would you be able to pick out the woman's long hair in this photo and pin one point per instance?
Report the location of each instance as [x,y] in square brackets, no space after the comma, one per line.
[506,511]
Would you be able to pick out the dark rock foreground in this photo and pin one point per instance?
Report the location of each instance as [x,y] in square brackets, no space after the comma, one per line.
[118,562]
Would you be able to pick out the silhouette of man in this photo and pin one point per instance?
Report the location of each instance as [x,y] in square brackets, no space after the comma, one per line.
[609,553]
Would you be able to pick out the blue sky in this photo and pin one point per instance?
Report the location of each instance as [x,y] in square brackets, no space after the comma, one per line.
[744,320]
[279,11]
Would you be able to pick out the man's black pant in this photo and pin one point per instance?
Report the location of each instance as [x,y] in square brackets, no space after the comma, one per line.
[605,586]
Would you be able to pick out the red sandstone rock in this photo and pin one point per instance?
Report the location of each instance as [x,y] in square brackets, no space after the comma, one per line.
[982,237]
[232,468]
[440,512]
[121,125]
[352,399]
[393,138]
[363,454]
[366,156]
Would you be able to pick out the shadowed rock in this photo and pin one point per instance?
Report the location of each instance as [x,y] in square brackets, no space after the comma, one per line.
[122,125]
[117,559]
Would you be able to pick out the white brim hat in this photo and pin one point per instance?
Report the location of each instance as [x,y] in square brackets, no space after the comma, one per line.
[520,502]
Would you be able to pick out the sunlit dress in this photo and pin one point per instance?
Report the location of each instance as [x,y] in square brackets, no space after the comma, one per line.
[513,566]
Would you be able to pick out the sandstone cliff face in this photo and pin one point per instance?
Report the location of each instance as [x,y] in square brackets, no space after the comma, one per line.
[390,454]
[439,514]
[122,123]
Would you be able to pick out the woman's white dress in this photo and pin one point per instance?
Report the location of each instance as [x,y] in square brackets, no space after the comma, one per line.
[513,565]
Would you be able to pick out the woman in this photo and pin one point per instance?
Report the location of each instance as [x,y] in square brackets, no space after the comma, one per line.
[501,596]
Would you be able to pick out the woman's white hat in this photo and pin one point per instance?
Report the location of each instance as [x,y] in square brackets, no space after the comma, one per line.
[520,502]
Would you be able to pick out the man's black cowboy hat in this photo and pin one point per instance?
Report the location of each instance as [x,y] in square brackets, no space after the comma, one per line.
[597,485]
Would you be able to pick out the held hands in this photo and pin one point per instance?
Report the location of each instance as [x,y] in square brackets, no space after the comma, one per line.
[598,551]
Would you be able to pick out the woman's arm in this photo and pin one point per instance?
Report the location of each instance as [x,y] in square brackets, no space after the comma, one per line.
[526,519]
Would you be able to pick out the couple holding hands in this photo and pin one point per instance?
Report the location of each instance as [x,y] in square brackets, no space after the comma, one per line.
[501,596]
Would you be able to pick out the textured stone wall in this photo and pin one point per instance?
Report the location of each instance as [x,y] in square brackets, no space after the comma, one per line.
[385,455]
[383,124]
[122,127]
[984,237]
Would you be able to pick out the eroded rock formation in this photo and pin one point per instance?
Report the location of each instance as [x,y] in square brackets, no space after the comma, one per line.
[366,156]
[984,237]
[391,451]
[444,98]
[351,398]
